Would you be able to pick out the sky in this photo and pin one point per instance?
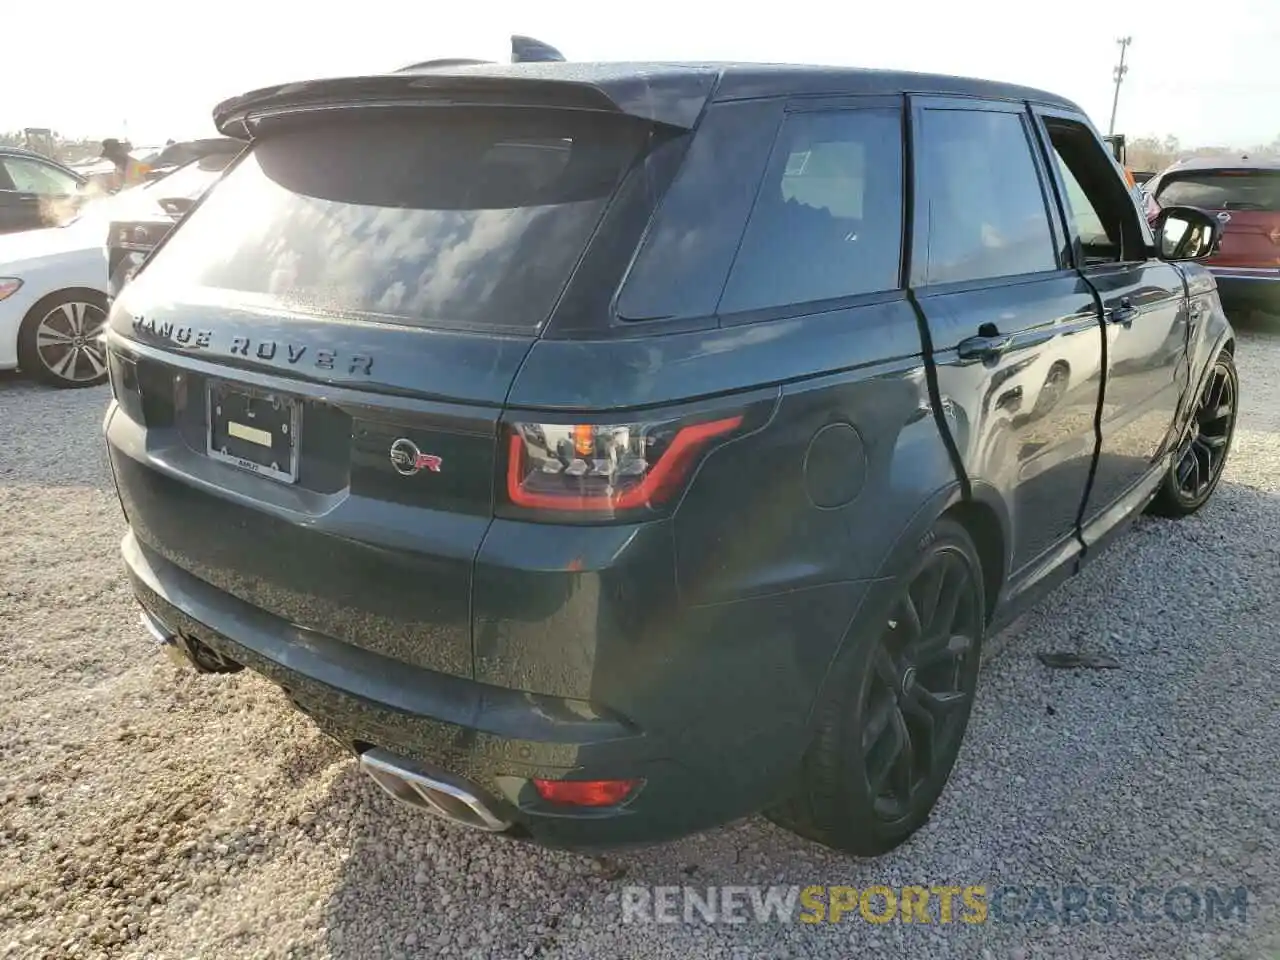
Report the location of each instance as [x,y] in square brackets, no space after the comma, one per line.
[1205,73]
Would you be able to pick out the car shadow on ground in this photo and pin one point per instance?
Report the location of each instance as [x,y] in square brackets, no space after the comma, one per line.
[1047,750]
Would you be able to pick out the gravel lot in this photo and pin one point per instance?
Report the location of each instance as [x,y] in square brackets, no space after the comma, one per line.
[145,812]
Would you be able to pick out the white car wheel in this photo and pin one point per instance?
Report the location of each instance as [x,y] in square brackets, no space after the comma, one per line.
[60,343]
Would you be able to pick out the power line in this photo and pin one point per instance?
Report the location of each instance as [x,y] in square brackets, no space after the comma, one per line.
[1118,73]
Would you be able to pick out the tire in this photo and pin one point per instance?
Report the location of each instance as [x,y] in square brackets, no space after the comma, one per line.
[832,800]
[1201,456]
[56,342]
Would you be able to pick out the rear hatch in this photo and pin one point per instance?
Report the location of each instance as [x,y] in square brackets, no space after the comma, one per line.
[311,368]
[1247,204]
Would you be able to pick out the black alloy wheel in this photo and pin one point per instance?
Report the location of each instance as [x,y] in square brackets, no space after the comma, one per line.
[896,708]
[1201,456]
[916,700]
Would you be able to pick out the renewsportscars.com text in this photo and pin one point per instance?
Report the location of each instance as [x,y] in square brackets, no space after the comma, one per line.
[936,904]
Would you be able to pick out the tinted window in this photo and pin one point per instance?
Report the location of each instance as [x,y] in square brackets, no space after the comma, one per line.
[32,176]
[1084,214]
[681,268]
[984,205]
[827,220]
[471,219]
[1223,190]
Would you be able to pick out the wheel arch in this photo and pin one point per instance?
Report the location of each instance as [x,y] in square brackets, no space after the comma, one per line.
[34,311]
[1226,343]
[985,519]
[981,521]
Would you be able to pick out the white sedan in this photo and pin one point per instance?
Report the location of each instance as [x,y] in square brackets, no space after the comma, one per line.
[53,302]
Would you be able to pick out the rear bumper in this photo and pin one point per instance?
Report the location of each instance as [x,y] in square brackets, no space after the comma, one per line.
[1248,286]
[492,739]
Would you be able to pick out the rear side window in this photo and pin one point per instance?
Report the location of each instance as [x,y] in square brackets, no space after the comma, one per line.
[470,219]
[985,207]
[32,176]
[827,220]
[1223,190]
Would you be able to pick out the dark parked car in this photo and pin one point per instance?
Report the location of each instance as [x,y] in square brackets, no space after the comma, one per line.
[36,191]
[1244,195]
[152,210]
[603,452]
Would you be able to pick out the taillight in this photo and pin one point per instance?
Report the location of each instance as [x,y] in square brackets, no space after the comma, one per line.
[604,470]
[122,374]
[1275,235]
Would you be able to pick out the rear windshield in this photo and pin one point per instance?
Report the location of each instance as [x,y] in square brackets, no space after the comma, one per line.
[1223,190]
[471,220]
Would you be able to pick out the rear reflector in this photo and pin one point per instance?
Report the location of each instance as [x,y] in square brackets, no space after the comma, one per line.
[586,793]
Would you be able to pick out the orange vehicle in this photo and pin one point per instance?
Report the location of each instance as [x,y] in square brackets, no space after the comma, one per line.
[1116,142]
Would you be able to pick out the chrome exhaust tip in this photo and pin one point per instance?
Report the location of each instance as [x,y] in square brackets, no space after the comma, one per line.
[166,640]
[449,800]
[186,652]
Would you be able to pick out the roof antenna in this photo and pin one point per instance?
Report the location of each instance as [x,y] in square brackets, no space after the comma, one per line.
[529,50]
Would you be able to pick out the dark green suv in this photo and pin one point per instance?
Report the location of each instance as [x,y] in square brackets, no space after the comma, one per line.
[604,452]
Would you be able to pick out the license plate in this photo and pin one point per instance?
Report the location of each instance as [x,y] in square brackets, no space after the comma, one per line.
[255,430]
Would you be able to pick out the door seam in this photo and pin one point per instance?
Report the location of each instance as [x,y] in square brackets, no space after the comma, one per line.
[935,398]
[1104,380]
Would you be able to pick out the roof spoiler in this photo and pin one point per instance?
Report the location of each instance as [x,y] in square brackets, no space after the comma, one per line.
[676,104]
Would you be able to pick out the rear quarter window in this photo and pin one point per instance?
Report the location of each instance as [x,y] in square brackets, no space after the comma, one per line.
[470,220]
[827,220]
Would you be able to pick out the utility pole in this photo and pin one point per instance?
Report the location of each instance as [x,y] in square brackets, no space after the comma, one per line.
[1118,73]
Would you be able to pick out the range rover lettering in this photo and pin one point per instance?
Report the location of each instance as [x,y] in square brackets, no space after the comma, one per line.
[687,427]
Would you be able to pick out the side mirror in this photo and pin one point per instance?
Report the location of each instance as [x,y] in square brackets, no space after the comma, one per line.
[1185,233]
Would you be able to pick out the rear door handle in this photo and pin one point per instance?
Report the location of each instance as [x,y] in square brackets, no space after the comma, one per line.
[985,348]
[1124,312]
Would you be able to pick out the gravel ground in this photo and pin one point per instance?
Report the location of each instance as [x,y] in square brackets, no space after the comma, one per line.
[145,812]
